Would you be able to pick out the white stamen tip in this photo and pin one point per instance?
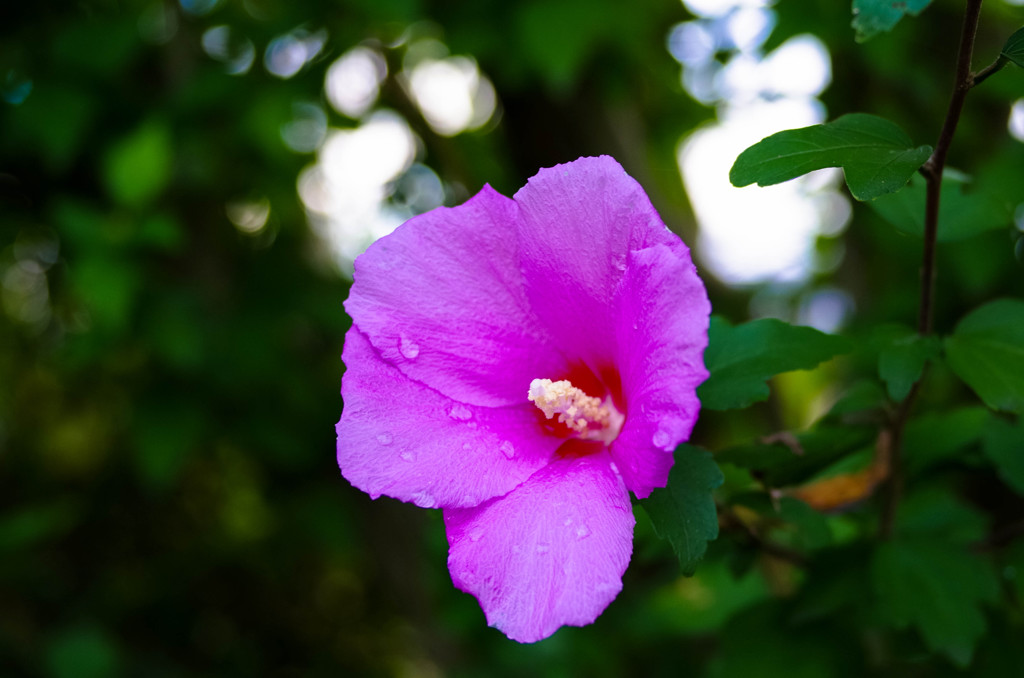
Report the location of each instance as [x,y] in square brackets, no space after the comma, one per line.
[585,415]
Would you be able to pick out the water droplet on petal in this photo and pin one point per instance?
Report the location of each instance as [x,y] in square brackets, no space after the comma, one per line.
[407,347]
[408,455]
[424,500]
[543,548]
[636,326]
[614,468]
[508,449]
[476,535]
[582,531]
[384,438]
[459,412]
[661,439]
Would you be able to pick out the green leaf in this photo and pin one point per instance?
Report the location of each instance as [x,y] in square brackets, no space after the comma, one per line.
[781,465]
[935,512]
[938,436]
[788,521]
[742,358]
[931,578]
[165,433]
[938,588]
[83,652]
[703,603]
[835,585]
[871,17]
[1003,444]
[763,641]
[684,511]
[962,213]
[902,356]
[54,123]
[1012,560]
[877,156]
[862,399]
[29,525]
[109,286]
[557,37]
[138,167]
[1014,48]
[987,351]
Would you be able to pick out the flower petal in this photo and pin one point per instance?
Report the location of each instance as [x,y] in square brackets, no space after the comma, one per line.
[442,299]
[661,332]
[399,438]
[550,553]
[580,221]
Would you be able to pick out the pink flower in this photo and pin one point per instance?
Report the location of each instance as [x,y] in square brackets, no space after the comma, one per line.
[524,365]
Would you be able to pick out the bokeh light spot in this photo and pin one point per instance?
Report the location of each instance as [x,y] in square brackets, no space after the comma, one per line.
[346,193]
[229,47]
[307,129]
[1016,122]
[452,94]
[287,54]
[353,81]
[249,216]
[199,7]
[15,87]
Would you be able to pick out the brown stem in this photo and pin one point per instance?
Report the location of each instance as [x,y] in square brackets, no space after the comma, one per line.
[932,172]
[894,485]
[932,169]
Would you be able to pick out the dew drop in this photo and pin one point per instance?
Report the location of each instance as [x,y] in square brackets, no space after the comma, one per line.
[384,438]
[408,348]
[508,449]
[408,455]
[614,468]
[661,439]
[476,535]
[459,412]
[543,548]
[424,500]
[582,531]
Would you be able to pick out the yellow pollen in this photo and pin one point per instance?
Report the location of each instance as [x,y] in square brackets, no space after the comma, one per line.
[583,414]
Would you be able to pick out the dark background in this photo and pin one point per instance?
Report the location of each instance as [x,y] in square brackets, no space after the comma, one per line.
[170,503]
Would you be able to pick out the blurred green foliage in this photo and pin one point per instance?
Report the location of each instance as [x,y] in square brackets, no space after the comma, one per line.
[170,502]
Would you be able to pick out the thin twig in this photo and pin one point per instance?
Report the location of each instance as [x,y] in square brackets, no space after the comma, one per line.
[983,75]
[730,519]
[932,172]
[1000,537]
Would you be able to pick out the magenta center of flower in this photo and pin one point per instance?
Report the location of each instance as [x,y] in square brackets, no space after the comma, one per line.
[587,417]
